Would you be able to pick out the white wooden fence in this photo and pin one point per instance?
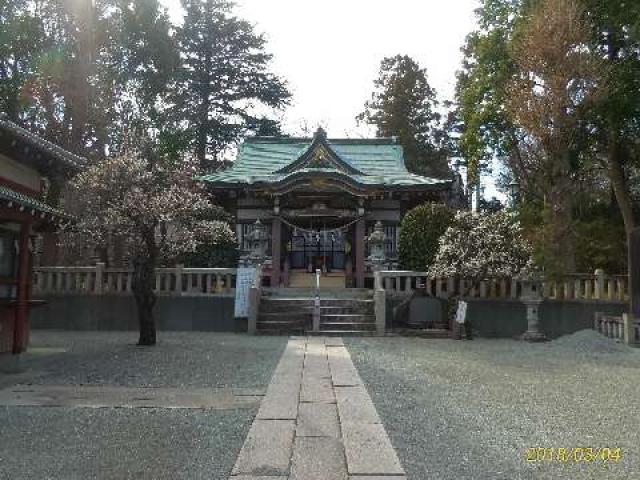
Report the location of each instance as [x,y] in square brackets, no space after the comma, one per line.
[98,280]
[597,286]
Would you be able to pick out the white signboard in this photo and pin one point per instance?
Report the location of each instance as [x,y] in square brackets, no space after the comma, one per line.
[244,280]
[461,313]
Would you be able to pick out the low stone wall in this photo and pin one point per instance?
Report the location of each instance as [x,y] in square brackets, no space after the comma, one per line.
[507,318]
[118,312]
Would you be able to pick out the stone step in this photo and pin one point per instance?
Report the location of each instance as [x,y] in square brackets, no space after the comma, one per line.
[274,305]
[324,292]
[348,317]
[291,316]
[343,333]
[348,326]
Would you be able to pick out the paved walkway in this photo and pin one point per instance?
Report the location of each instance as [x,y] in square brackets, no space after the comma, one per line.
[317,421]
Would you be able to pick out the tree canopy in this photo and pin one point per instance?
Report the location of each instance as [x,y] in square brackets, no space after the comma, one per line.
[550,88]
[404,105]
[86,75]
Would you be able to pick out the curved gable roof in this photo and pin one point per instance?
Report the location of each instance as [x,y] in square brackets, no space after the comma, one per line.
[367,162]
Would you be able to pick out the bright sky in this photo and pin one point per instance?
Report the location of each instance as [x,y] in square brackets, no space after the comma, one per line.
[330,50]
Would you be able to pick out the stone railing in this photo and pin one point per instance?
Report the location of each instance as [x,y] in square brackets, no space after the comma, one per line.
[598,286]
[98,280]
[625,329]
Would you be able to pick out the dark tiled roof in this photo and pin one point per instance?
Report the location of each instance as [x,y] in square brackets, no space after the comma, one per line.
[29,203]
[45,146]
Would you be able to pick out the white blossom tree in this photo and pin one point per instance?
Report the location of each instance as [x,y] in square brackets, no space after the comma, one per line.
[482,245]
[155,208]
[479,246]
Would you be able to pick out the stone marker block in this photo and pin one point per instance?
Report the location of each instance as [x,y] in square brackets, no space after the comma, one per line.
[318,459]
[369,451]
[355,405]
[267,449]
[318,420]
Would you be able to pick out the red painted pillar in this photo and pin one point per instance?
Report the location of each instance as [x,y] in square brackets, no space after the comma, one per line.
[276,246]
[24,280]
[359,250]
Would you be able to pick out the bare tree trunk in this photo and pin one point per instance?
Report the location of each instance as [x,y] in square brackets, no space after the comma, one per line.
[620,188]
[560,243]
[143,284]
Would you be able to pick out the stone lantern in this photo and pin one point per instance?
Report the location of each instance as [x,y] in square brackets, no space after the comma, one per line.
[258,241]
[377,241]
[532,298]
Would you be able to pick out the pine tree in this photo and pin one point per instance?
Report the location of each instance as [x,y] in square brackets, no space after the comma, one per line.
[223,82]
[404,105]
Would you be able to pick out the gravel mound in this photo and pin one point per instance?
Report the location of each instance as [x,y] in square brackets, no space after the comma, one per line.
[589,341]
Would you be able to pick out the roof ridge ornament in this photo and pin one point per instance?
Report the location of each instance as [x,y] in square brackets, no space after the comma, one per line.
[320,134]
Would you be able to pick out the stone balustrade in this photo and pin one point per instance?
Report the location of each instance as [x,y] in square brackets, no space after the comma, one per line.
[597,286]
[98,280]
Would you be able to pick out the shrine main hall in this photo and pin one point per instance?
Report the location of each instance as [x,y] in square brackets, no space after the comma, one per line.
[319,199]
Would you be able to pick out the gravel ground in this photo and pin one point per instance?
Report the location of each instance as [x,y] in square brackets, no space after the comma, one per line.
[179,359]
[469,410]
[83,443]
[142,443]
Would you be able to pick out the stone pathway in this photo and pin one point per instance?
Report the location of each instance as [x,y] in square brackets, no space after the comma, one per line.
[317,421]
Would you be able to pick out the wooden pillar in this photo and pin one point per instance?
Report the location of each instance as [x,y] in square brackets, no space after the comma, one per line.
[360,249]
[24,280]
[276,246]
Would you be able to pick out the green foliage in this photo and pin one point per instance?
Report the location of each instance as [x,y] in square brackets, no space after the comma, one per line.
[225,71]
[420,232]
[89,76]
[405,106]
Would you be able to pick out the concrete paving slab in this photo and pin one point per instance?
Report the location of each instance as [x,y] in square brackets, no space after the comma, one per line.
[334,342]
[369,451]
[377,477]
[267,449]
[317,390]
[318,459]
[318,420]
[343,372]
[125,397]
[355,405]
[256,477]
[281,405]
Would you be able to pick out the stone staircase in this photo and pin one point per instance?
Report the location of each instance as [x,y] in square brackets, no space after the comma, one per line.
[343,312]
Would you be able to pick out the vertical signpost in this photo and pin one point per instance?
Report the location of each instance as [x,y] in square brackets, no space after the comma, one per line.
[244,281]
[634,273]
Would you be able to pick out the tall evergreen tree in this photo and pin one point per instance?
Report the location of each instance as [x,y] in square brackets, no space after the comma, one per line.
[223,83]
[404,105]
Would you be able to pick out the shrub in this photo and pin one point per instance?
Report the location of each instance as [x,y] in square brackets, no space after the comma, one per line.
[420,232]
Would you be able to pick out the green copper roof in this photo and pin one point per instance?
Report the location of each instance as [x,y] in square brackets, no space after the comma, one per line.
[268,160]
[29,203]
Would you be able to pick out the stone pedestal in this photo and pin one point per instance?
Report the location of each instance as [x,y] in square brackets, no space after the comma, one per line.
[533,333]
[532,299]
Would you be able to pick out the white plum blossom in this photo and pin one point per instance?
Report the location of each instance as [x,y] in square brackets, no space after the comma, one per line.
[155,208]
[129,198]
[483,245]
